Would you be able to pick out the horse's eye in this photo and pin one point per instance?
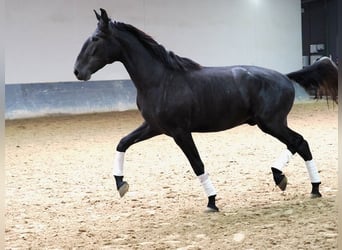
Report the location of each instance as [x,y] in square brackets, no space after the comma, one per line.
[94,39]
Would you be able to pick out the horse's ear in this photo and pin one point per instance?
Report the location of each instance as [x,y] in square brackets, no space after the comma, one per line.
[103,19]
[98,17]
[104,15]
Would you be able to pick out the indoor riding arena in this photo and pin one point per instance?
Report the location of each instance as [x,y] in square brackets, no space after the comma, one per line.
[62,134]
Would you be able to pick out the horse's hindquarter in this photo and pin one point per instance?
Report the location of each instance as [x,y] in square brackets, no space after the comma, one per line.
[271,93]
[230,96]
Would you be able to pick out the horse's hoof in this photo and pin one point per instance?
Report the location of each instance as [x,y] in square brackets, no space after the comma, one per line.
[123,189]
[315,190]
[283,183]
[315,195]
[211,209]
[279,178]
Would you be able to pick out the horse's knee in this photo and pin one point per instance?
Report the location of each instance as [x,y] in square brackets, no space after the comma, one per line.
[123,145]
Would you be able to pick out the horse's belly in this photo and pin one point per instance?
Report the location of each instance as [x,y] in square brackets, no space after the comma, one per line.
[219,121]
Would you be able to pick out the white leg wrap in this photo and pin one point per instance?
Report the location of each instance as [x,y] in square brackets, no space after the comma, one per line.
[118,163]
[313,172]
[283,160]
[207,184]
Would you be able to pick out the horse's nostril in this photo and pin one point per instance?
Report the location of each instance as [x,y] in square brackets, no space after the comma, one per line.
[76,72]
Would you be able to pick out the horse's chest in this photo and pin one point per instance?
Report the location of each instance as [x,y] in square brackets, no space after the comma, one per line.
[149,108]
[162,111]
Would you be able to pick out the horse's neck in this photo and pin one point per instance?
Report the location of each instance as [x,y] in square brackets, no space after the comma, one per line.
[144,69]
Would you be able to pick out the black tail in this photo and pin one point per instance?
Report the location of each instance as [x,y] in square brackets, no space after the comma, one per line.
[320,76]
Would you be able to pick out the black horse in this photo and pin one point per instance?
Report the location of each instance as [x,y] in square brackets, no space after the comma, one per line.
[177,96]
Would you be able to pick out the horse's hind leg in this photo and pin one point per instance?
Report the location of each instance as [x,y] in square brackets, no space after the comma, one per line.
[277,169]
[301,146]
[295,144]
[143,132]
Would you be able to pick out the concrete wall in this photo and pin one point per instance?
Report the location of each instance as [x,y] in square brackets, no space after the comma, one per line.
[41,99]
[43,37]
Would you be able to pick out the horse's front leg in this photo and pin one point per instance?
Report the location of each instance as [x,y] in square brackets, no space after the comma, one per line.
[185,141]
[144,132]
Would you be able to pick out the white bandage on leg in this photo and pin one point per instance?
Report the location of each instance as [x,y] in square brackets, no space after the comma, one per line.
[313,172]
[118,163]
[283,160]
[207,184]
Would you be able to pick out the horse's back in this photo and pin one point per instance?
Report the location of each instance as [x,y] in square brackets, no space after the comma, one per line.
[229,96]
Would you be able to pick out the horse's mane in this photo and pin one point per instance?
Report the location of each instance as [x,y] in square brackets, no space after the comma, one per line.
[168,58]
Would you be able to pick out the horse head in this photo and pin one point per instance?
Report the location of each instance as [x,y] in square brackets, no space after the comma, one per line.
[100,49]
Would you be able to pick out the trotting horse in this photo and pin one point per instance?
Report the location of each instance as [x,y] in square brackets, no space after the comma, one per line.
[177,96]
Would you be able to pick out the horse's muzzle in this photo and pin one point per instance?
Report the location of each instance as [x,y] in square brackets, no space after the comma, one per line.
[76,72]
[80,76]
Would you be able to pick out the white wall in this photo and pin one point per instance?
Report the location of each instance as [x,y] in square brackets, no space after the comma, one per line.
[43,37]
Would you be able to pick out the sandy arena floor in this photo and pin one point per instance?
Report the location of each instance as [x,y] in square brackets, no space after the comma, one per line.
[60,193]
